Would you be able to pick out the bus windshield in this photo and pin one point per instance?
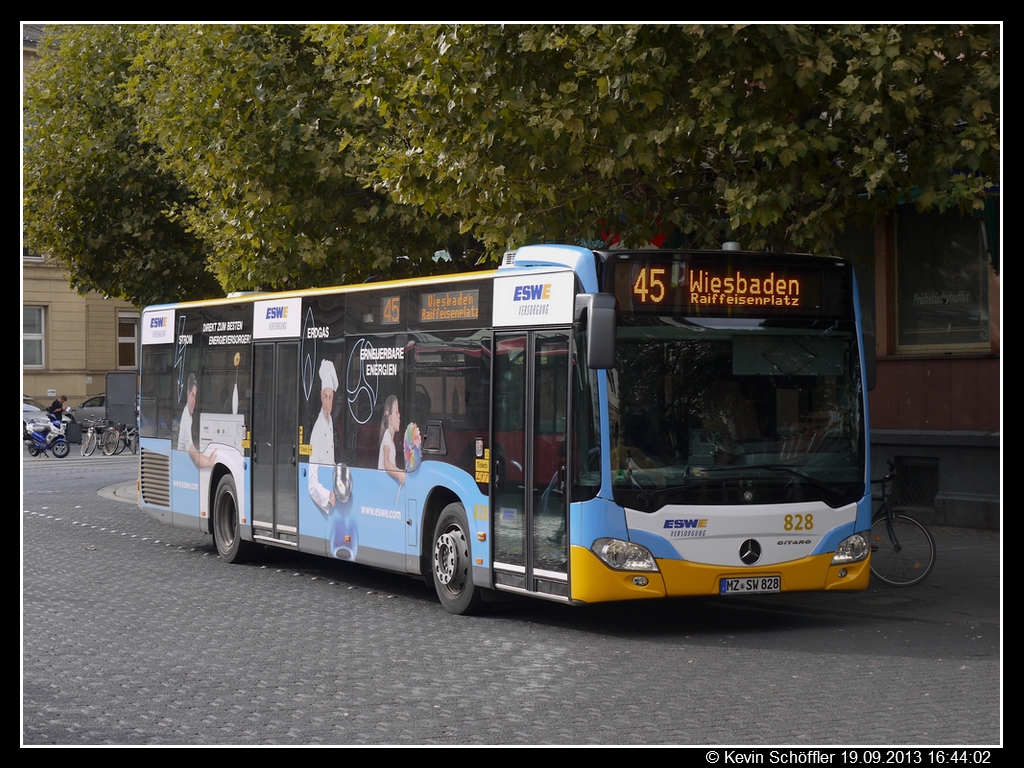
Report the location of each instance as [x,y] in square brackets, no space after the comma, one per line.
[735,411]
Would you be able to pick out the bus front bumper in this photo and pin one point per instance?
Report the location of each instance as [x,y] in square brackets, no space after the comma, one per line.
[594,582]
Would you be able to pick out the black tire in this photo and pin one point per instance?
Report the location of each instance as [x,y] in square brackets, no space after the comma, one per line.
[60,448]
[132,441]
[911,561]
[33,451]
[230,545]
[451,563]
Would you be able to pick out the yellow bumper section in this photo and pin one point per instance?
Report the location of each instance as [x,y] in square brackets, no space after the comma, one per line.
[594,582]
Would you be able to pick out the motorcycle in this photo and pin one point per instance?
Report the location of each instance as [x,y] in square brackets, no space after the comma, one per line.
[41,437]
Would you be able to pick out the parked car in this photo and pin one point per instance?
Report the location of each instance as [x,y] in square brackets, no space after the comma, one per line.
[32,410]
[93,409]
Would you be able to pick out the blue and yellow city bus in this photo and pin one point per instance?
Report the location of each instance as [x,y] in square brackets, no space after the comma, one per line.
[576,425]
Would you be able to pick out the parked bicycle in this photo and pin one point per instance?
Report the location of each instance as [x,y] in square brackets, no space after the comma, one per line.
[111,438]
[130,439]
[92,436]
[112,441]
[902,549]
[90,439]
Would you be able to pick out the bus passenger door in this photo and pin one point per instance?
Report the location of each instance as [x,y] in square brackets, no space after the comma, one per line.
[528,479]
[275,472]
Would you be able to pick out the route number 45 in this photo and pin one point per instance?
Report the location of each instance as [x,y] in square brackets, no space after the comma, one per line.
[650,285]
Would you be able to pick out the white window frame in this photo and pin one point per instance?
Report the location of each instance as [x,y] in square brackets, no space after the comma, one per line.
[125,317]
[39,337]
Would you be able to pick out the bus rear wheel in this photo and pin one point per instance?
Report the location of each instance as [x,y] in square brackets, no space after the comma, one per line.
[452,565]
[230,545]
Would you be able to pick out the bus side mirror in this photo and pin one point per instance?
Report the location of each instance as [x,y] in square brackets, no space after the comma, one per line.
[600,311]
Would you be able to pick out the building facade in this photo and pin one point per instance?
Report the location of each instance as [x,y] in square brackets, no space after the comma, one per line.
[69,342]
[931,300]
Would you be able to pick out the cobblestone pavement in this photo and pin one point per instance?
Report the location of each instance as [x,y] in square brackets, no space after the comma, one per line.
[136,633]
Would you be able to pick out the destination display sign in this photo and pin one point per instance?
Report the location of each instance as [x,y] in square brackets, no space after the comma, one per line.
[742,286]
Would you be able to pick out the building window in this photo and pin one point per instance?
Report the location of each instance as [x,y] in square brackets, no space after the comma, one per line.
[27,253]
[942,282]
[128,341]
[32,336]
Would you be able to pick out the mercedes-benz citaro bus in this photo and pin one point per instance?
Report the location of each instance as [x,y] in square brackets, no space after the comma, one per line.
[575,425]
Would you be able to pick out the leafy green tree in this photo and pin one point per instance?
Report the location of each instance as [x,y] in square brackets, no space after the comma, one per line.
[520,133]
[811,127]
[94,196]
[774,135]
[168,162]
[242,117]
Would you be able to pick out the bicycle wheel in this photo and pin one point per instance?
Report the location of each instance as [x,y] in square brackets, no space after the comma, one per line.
[132,440]
[111,439]
[89,443]
[907,562]
[122,442]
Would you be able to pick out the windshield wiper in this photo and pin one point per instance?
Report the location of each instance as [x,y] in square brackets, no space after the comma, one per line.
[696,482]
[821,485]
[829,489]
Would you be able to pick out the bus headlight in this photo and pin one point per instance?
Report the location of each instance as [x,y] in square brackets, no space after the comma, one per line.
[851,550]
[624,555]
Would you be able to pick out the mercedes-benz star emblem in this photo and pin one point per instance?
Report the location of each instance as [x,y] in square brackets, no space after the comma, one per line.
[750,552]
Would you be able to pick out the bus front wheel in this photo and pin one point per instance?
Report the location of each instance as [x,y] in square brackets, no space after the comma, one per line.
[230,545]
[451,563]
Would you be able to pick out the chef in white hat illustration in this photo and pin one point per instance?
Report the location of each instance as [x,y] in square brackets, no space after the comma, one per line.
[321,438]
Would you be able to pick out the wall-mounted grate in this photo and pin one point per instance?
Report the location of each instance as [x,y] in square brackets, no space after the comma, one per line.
[917,481]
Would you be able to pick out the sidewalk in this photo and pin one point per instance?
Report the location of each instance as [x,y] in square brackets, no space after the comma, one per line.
[964,587]
[127,493]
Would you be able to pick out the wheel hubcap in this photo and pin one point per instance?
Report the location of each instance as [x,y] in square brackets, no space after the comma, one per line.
[446,558]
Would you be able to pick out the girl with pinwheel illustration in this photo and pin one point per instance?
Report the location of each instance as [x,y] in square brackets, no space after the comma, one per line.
[391,423]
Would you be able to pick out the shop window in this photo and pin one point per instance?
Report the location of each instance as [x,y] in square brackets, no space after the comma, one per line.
[942,282]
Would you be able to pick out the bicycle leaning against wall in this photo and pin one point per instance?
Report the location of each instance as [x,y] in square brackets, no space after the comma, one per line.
[902,549]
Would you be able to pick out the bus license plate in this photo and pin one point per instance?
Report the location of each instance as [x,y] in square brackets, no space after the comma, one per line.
[759,585]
